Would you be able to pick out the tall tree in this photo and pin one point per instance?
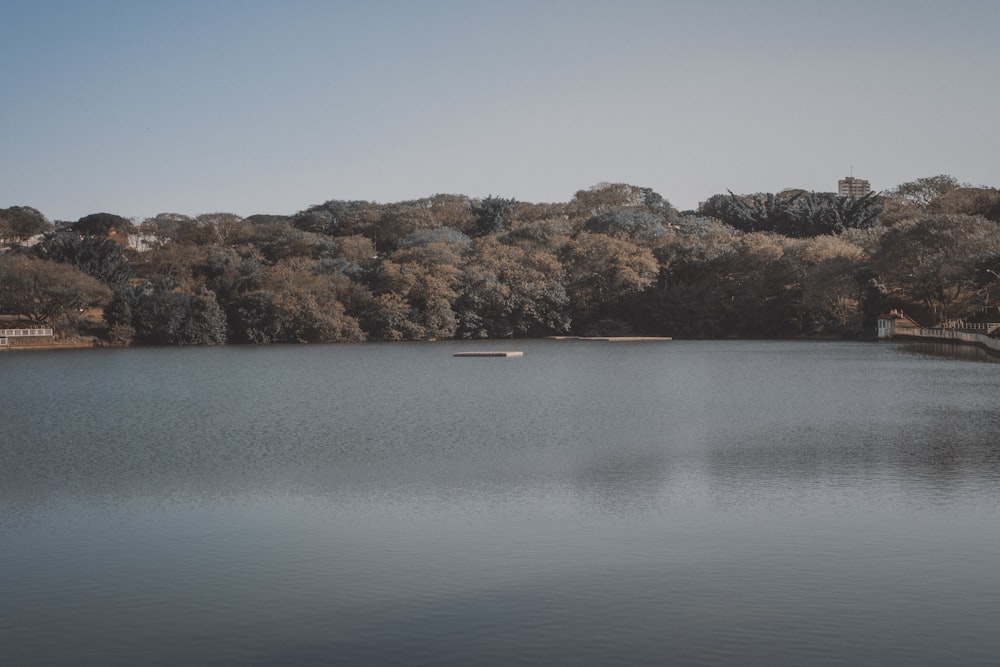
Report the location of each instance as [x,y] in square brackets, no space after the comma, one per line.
[605,274]
[797,213]
[426,279]
[19,223]
[762,212]
[933,262]
[164,316]
[101,224]
[492,214]
[923,191]
[510,291]
[292,304]
[94,255]
[604,197]
[633,224]
[969,201]
[821,213]
[46,291]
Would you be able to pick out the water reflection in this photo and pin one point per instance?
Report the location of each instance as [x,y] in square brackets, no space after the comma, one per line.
[613,428]
[951,351]
[949,454]
[593,505]
[622,482]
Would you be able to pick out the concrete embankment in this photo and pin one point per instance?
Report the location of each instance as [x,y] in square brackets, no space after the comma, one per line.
[991,345]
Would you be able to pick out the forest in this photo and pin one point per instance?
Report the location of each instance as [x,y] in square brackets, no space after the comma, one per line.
[616,259]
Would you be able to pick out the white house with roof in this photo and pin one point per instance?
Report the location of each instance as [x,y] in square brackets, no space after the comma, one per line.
[889,324]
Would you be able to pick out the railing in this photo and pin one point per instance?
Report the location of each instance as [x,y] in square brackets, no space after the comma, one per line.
[27,332]
[31,331]
[987,327]
[992,344]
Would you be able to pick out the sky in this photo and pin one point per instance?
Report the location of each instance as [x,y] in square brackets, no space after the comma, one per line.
[247,106]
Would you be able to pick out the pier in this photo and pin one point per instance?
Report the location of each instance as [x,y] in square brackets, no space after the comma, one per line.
[490,353]
[613,339]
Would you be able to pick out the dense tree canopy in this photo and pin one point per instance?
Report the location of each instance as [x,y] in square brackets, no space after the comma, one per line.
[162,316]
[797,213]
[969,201]
[627,223]
[615,259]
[19,223]
[936,261]
[96,256]
[924,191]
[492,214]
[101,224]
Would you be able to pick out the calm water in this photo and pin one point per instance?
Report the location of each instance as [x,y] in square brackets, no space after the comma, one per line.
[738,503]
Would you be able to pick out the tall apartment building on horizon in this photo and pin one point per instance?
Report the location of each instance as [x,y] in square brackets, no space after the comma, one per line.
[853,187]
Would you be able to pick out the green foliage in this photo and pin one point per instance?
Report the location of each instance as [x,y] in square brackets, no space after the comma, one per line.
[616,259]
[338,265]
[796,214]
[510,291]
[118,315]
[163,226]
[604,197]
[923,191]
[292,304]
[765,212]
[101,224]
[424,237]
[632,224]
[969,201]
[988,283]
[874,302]
[94,255]
[163,316]
[275,239]
[274,317]
[988,269]
[426,280]
[935,262]
[19,223]
[605,276]
[493,214]
[335,218]
[47,291]
[195,233]
[827,213]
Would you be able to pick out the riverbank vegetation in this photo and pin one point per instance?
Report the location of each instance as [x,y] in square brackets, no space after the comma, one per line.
[616,259]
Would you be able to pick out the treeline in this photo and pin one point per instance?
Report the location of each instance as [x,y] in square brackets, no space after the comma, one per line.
[616,259]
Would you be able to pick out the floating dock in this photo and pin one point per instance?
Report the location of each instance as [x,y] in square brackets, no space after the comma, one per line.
[613,339]
[490,353]
[625,339]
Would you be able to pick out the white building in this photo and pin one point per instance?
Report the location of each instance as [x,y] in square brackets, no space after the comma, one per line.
[890,322]
[853,187]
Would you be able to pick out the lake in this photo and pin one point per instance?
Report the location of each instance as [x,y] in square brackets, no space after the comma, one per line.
[591,503]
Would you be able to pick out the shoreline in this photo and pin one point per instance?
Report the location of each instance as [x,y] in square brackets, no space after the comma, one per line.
[51,346]
[99,344]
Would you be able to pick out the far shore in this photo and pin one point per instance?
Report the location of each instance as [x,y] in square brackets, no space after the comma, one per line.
[38,344]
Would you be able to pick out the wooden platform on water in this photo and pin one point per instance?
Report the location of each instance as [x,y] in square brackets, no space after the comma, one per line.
[614,339]
[490,353]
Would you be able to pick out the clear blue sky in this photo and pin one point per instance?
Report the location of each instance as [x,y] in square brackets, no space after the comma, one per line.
[137,107]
